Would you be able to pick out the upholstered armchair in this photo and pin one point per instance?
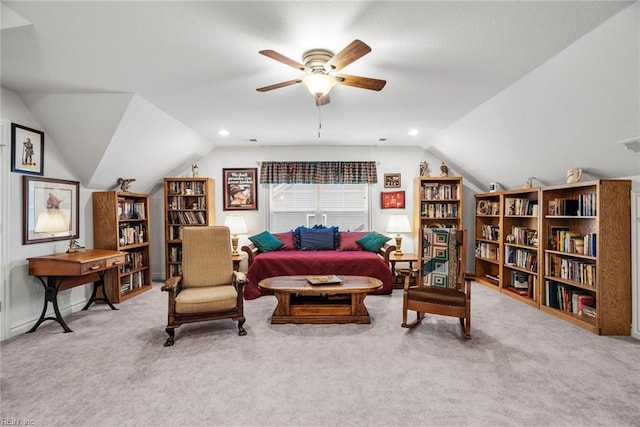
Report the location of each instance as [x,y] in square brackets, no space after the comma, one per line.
[208,289]
[441,286]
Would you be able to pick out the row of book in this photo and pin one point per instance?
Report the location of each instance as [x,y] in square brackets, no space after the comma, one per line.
[174,270]
[131,281]
[487,250]
[439,210]
[571,269]
[181,202]
[436,191]
[521,258]
[175,232]
[565,240]
[133,260]
[520,207]
[567,298]
[490,232]
[524,236]
[187,217]
[131,234]
[522,284]
[175,254]
[131,209]
[181,187]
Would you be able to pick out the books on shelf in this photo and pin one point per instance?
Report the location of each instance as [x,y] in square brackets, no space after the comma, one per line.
[569,299]
[439,191]
[516,206]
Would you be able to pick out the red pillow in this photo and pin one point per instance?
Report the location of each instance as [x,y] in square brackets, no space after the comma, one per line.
[348,240]
[285,237]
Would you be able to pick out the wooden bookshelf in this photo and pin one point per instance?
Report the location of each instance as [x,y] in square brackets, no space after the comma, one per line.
[521,256]
[586,233]
[437,203]
[187,202]
[121,223]
[488,239]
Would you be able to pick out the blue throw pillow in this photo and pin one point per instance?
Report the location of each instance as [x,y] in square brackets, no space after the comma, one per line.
[317,238]
[266,242]
[373,241]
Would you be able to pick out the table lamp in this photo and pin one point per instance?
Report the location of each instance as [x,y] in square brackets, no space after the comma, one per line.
[54,221]
[236,226]
[399,224]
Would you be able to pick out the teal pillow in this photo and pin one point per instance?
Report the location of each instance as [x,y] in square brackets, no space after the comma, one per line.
[266,242]
[373,241]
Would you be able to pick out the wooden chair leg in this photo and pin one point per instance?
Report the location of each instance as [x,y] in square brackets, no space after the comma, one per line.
[419,317]
[241,331]
[172,333]
[465,323]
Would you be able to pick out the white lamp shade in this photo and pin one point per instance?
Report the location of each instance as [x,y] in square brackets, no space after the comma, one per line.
[236,224]
[51,221]
[399,224]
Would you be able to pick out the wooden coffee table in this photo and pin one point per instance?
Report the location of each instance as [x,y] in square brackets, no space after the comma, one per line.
[301,302]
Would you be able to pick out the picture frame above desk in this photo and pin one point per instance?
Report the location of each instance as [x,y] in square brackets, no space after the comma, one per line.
[50,209]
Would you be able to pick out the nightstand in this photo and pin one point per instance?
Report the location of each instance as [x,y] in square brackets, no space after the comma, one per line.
[400,273]
[237,259]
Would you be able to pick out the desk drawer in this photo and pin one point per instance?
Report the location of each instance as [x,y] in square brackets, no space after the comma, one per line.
[93,266]
[116,260]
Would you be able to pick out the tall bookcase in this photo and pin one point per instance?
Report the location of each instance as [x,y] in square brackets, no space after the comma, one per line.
[438,202]
[121,223]
[586,232]
[520,241]
[488,239]
[187,202]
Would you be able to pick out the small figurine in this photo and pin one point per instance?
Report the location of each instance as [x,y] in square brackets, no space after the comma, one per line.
[194,170]
[424,168]
[125,184]
[529,182]
[574,175]
[444,170]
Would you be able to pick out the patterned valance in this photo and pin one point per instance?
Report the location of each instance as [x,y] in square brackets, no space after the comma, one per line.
[318,173]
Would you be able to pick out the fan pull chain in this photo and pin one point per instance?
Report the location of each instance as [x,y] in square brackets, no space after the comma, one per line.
[319,121]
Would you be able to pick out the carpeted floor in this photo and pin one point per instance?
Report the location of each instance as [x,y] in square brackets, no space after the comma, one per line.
[521,368]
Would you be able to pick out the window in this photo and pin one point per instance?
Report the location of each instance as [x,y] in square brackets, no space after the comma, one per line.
[344,205]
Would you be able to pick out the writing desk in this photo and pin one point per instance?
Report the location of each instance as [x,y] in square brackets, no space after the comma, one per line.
[59,272]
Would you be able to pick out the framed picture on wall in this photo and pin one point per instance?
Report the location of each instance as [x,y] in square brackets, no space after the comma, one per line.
[240,189]
[50,209]
[392,180]
[27,150]
[393,200]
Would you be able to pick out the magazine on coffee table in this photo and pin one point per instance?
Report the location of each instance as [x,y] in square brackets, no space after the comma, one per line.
[323,280]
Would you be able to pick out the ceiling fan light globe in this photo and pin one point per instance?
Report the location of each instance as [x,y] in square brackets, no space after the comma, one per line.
[319,84]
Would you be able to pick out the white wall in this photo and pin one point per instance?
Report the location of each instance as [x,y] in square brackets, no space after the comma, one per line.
[24,294]
[403,160]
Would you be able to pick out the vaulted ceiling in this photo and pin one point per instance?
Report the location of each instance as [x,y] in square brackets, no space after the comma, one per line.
[107,77]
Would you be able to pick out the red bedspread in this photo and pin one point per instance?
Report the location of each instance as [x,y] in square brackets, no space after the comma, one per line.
[291,263]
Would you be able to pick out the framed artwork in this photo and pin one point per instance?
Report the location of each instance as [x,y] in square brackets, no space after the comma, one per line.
[393,200]
[392,180]
[240,189]
[27,150]
[50,209]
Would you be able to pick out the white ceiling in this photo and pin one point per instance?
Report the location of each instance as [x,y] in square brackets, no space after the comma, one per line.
[196,66]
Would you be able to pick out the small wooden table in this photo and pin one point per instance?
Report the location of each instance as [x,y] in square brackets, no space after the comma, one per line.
[301,302]
[399,274]
[67,270]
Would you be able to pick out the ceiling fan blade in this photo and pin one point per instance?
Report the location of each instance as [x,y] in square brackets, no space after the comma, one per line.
[361,82]
[355,50]
[278,85]
[281,58]
[322,100]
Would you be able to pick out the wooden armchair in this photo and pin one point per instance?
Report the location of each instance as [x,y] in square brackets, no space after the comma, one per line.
[441,286]
[208,289]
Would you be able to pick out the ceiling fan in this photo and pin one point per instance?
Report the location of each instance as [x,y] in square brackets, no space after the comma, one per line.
[320,66]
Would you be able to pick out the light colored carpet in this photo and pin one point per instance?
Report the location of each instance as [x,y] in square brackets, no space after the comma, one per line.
[521,368]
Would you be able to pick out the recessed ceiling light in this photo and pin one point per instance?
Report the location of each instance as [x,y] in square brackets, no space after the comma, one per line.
[223,132]
[413,132]
[382,139]
[253,139]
